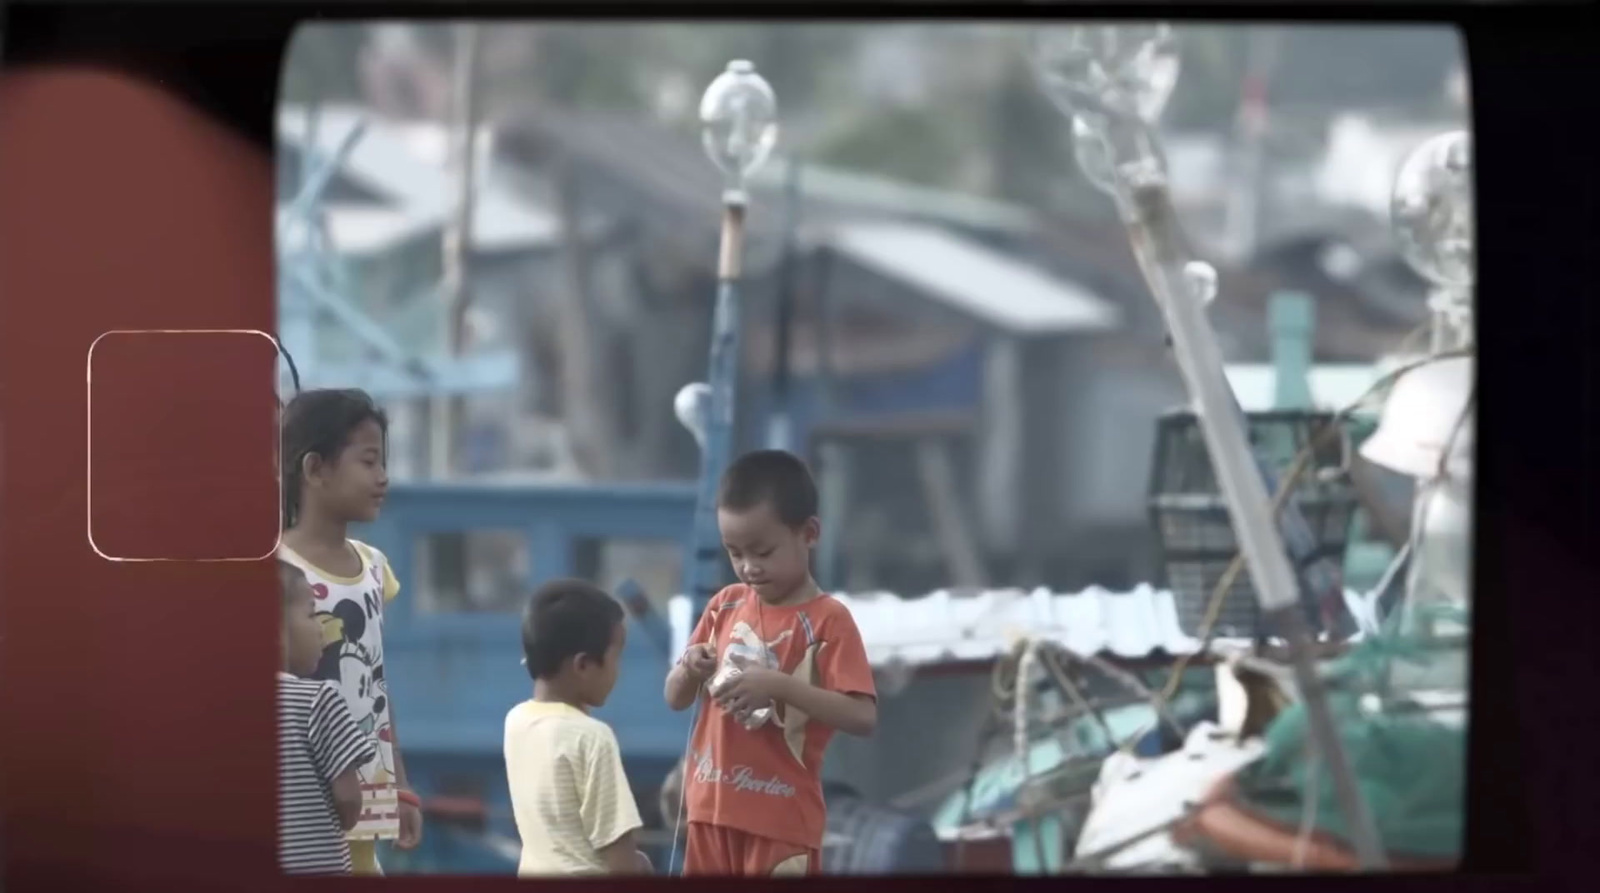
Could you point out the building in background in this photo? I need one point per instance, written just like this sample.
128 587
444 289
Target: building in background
976 380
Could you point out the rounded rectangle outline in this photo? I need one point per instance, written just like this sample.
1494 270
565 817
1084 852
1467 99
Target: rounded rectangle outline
88 471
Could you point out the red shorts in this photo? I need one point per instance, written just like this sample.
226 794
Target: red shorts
713 849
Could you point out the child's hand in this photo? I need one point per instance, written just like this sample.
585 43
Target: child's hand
700 661
410 827
753 688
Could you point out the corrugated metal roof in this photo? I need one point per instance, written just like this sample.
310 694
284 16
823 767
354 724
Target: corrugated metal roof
379 160
973 280
667 166
946 627
865 192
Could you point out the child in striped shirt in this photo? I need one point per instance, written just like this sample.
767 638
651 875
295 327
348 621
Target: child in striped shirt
320 747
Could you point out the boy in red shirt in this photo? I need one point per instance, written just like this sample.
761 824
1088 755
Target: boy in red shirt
783 667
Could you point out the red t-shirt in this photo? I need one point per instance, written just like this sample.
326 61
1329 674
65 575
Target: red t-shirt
768 781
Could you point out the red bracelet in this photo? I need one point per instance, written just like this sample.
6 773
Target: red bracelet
408 797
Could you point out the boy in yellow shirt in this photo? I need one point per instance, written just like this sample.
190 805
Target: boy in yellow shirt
574 810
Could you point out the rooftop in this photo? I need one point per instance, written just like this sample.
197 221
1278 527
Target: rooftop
947 627
973 280
399 162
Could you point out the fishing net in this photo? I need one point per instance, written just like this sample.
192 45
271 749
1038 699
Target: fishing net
1410 766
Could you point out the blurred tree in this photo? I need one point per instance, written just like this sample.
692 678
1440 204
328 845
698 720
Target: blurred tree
1029 142
982 111
914 144
587 66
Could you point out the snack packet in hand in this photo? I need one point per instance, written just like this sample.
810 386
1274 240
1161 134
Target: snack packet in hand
728 670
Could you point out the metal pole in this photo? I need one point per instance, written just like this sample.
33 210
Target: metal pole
1132 142
444 411
1156 238
309 148
1250 128
1451 328
299 278
318 177
705 570
833 470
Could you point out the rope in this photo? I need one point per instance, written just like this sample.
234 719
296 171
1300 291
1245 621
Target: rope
1308 812
683 781
1298 468
1362 671
699 707
1006 685
1443 470
1063 681
1408 344
1022 741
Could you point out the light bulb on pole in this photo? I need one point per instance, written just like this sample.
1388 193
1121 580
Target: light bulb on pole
1115 80
1129 69
1427 424
739 119
1093 156
1432 213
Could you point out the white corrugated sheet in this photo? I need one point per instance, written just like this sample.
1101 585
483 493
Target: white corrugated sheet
945 627
973 280
1332 387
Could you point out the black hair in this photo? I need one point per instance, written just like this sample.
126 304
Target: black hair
294 371
319 422
771 476
565 619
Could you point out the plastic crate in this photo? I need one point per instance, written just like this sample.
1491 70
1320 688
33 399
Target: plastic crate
1196 536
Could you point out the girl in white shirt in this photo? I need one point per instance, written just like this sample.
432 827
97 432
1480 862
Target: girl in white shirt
334 476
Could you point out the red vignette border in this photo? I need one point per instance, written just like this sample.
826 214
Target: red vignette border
137 736
136 697
136 722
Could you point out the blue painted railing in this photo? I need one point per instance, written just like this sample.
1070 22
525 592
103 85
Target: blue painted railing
455 674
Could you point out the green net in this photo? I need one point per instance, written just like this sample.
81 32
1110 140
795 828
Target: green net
1410 767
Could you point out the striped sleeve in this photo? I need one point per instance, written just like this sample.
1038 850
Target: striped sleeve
337 743
607 808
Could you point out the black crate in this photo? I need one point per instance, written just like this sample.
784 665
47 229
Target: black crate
1196 536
